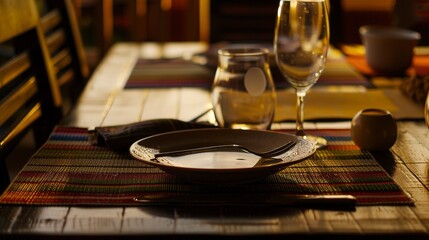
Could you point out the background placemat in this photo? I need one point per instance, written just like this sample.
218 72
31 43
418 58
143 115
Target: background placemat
67 170
337 105
337 72
166 73
169 73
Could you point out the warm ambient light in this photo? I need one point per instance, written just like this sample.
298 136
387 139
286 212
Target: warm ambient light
166 5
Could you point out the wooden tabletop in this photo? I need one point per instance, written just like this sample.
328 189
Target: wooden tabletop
105 102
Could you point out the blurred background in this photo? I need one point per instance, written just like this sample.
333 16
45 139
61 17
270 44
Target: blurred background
104 22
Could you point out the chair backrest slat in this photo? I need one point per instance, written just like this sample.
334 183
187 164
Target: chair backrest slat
66 77
56 41
61 60
17 99
25 122
14 68
51 20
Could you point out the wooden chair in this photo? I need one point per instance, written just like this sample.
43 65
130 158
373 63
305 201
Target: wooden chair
29 95
60 27
97 21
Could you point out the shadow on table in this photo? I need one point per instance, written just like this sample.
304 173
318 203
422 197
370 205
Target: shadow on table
386 160
220 215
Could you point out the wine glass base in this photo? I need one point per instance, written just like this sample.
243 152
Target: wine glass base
319 141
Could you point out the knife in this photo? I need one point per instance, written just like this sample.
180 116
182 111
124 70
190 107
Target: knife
311 201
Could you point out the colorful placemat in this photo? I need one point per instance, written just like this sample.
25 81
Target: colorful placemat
337 72
67 170
167 73
344 105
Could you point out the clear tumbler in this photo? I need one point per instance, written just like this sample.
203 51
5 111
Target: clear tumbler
243 92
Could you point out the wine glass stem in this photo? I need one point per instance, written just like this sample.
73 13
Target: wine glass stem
300 112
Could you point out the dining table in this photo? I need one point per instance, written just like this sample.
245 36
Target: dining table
72 188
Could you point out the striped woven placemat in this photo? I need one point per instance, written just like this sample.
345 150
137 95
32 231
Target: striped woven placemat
182 73
169 73
67 170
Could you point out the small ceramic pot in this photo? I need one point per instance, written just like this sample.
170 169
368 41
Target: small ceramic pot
374 129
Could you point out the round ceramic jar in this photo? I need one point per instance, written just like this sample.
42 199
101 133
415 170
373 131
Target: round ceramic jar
374 129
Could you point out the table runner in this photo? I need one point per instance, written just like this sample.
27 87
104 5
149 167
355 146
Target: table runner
67 170
182 73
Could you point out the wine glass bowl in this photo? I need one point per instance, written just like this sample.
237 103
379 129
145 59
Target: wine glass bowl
301 43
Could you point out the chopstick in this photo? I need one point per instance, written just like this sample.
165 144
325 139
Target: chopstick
345 202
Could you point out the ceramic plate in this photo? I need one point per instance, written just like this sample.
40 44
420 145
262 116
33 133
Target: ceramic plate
220 166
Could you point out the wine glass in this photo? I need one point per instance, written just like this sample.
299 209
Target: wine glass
301 42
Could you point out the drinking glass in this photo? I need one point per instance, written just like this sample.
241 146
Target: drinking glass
301 42
243 93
